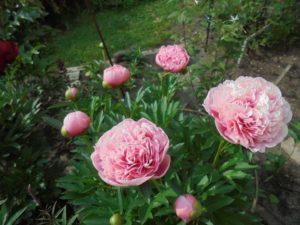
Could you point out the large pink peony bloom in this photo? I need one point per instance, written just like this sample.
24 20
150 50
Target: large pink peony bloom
172 58
250 112
131 153
115 76
187 207
75 123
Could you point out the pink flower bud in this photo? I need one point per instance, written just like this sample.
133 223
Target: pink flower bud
172 58
115 76
187 207
75 123
71 94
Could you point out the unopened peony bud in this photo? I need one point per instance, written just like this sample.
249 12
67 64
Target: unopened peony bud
71 94
106 85
116 219
187 208
115 76
63 132
75 123
88 74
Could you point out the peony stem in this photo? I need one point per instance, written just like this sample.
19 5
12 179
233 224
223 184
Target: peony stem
88 4
218 154
246 41
123 93
209 19
254 203
120 199
155 183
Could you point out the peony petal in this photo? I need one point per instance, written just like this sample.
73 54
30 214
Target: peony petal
96 161
163 167
134 182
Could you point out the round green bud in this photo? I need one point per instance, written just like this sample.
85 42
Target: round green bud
116 219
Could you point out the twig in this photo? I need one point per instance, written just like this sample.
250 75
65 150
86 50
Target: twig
88 4
283 73
254 203
184 25
246 41
34 198
208 28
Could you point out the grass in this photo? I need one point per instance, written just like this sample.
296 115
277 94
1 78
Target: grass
142 26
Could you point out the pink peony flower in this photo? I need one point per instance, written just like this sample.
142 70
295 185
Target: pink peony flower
71 94
115 76
172 58
187 207
75 123
131 153
250 112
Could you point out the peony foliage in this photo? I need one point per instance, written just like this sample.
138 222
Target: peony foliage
143 150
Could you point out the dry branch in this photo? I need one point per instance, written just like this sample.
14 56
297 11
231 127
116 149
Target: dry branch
246 41
282 75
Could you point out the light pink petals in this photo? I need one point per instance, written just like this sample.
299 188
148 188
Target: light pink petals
76 123
131 153
163 167
115 75
186 207
172 58
250 112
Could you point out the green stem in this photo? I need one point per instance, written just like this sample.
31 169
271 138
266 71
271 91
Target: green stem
254 203
218 154
120 199
119 94
255 199
156 184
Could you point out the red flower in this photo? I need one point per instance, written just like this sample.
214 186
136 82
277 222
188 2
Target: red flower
9 51
2 66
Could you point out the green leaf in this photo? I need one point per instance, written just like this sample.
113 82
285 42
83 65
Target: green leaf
16 216
245 166
234 174
52 122
273 199
218 202
2 201
203 182
220 188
